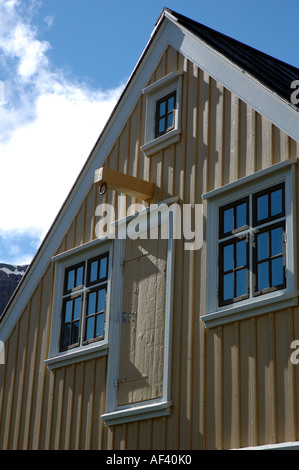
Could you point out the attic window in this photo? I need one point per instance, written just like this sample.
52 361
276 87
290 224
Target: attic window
163 113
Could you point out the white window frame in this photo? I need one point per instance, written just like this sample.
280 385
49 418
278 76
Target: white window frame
115 414
154 92
62 261
214 314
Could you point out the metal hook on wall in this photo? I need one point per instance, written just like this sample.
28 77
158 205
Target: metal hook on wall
103 189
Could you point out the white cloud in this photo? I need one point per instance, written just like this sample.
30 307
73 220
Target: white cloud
48 125
49 20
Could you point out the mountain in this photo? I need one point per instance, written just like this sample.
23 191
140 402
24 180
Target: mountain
10 277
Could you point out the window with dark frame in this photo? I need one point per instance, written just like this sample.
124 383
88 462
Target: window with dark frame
84 302
252 240
165 114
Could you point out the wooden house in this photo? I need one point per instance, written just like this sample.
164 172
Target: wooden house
161 310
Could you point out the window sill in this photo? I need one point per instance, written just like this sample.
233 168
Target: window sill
137 413
73 357
254 308
160 143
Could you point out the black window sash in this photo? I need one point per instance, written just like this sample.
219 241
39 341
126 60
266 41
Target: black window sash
168 112
233 241
71 323
75 268
98 260
267 192
81 291
97 313
233 205
269 258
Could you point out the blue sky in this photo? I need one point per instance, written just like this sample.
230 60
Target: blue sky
63 64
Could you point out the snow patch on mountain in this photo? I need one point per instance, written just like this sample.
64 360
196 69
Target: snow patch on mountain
16 270
10 277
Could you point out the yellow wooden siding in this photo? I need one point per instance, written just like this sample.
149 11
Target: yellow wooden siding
232 385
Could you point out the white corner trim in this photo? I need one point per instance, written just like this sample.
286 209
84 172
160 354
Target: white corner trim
136 413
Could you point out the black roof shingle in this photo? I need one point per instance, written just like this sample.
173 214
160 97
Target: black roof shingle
271 72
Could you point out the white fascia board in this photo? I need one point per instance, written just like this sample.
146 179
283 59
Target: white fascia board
237 81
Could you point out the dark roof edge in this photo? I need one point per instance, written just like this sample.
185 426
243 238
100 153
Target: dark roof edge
273 73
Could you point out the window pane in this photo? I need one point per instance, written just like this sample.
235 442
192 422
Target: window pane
228 257
277 272
91 303
93 271
228 286
75 332
276 202
68 311
241 248
170 103
66 336
79 280
103 267
262 207
262 246
90 328
70 279
162 108
101 300
162 125
276 241
263 276
228 220
241 215
241 284
100 325
77 308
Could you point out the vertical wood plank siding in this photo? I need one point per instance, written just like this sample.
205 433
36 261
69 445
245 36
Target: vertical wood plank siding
232 385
